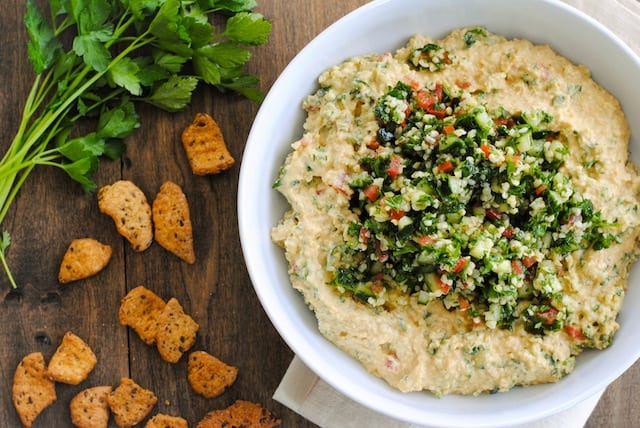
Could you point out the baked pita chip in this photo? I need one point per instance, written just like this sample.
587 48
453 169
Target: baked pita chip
72 362
165 421
89 408
140 309
172 222
130 403
205 147
32 390
127 205
208 376
176 332
84 257
240 414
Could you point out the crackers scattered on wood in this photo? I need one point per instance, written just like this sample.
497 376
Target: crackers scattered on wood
89 407
32 390
127 205
176 332
84 257
140 309
72 362
172 222
208 376
130 403
166 421
240 414
204 146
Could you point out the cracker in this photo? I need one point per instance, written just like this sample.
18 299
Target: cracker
89 407
84 257
205 147
176 332
208 376
127 205
72 362
166 421
130 403
140 309
32 390
240 414
172 222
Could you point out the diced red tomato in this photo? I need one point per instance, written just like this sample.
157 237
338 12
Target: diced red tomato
460 265
364 235
448 129
446 166
425 240
395 166
540 189
396 214
372 192
373 144
549 316
516 265
575 332
508 232
486 149
439 90
443 286
500 121
463 84
464 303
528 261
425 100
493 214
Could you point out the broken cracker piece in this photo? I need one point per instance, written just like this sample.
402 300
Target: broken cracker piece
176 332
172 222
130 403
72 362
140 309
84 257
89 407
127 205
166 421
240 414
32 390
205 147
208 376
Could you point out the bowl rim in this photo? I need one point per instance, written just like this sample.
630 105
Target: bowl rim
303 348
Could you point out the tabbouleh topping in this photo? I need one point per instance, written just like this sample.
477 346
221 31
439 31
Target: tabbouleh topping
467 206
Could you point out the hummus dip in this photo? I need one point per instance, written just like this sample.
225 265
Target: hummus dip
463 212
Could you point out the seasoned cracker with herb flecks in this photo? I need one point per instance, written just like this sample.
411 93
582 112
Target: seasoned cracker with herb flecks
166 421
208 376
204 146
84 258
130 403
140 309
172 222
127 205
176 332
89 407
32 390
240 414
72 362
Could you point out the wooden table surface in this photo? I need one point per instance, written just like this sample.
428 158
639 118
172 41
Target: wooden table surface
50 211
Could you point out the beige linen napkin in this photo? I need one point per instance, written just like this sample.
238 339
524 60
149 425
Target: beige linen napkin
303 392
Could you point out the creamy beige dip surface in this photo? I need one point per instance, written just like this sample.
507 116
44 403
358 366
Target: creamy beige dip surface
427 347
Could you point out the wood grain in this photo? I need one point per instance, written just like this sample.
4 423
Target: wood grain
216 291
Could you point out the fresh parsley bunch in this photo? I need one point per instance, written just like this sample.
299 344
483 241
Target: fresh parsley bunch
96 58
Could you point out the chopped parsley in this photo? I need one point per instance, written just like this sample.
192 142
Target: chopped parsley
466 206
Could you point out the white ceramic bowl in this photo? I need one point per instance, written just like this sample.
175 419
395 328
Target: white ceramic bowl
382 26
